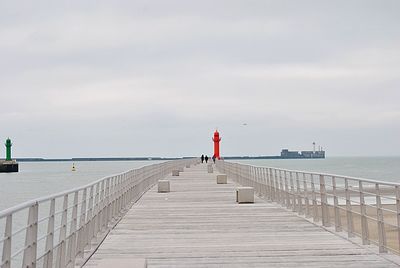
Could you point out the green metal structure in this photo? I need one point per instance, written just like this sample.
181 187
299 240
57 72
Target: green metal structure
8 149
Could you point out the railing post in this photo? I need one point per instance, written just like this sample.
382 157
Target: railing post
134 182
112 199
101 212
82 227
239 173
298 192
107 203
243 180
6 257
272 184
96 211
381 224
287 193
306 199
364 222
264 183
119 202
293 195
71 250
256 181
349 213
281 189
135 188
397 188
277 184
121 195
268 184
124 189
324 202
115 191
48 258
89 219
60 261
338 220
261 182
249 180
314 200
30 252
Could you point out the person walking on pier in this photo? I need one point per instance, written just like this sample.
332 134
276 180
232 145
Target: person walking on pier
213 158
206 158
202 158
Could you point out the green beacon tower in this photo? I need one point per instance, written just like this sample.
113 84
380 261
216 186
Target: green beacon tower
8 149
8 165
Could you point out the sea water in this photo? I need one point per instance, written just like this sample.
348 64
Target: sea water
37 179
375 168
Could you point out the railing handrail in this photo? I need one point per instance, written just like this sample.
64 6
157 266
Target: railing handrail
326 174
76 219
316 195
26 204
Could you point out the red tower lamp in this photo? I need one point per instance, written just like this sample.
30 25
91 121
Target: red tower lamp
216 139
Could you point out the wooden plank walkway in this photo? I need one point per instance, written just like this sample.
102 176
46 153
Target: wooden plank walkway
198 224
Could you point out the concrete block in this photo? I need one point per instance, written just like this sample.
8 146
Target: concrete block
175 172
187 166
245 195
180 169
222 179
121 263
163 186
210 168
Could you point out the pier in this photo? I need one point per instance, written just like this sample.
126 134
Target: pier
298 219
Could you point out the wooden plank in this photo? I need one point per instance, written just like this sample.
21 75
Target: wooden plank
199 224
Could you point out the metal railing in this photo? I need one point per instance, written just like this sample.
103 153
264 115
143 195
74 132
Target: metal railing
365 208
63 229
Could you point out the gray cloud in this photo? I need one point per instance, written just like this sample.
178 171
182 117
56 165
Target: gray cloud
132 78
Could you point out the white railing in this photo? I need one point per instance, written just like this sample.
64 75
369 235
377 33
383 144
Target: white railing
366 208
64 229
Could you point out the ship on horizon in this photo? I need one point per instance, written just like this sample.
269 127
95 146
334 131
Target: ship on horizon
286 154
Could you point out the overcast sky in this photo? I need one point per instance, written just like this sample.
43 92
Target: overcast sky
155 78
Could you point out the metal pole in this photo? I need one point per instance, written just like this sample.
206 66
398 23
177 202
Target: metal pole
6 258
48 258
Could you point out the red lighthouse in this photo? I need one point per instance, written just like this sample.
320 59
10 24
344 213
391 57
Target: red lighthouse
216 141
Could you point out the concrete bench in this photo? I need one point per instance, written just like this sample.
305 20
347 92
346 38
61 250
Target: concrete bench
245 195
210 168
121 263
163 186
222 179
187 166
175 172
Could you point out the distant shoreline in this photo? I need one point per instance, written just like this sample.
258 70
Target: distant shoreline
87 159
81 159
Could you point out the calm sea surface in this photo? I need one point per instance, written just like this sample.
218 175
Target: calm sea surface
43 178
37 179
376 168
